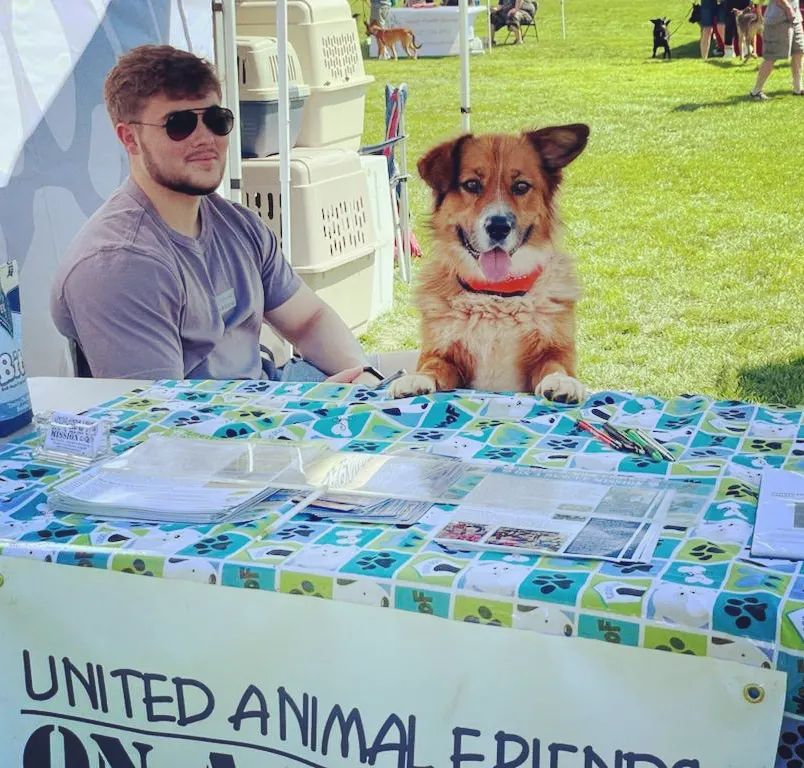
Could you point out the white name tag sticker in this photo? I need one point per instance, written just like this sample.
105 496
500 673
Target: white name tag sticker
76 435
226 301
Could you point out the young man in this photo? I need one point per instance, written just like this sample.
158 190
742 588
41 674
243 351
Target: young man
783 38
168 279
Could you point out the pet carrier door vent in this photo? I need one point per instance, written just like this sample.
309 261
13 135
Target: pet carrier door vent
340 57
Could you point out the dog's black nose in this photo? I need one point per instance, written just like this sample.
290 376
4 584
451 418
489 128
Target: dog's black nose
498 227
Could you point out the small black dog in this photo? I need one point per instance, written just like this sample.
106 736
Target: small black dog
661 37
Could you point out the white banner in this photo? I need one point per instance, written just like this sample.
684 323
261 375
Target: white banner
105 669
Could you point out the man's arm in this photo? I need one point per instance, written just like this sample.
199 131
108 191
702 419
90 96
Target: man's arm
317 331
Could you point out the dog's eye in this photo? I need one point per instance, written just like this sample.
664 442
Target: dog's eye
521 188
472 186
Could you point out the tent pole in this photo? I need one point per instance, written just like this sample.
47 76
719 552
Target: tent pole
465 105
231 97
284 127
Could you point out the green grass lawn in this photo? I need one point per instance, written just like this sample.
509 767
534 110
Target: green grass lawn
684 211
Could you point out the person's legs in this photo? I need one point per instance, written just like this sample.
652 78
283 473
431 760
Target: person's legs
795 68
762 75
707 22
706 42
797 51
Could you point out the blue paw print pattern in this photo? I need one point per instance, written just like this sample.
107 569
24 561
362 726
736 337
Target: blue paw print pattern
301 531
56 533
609 629
791 744
426 436
792 665
194 396
235 429
553 586
632 569
508 454
748 615
383 564
85 559
367 446
427 601
218 546
248 576
697 574
131 429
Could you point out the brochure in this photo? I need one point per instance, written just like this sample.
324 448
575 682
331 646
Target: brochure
779 526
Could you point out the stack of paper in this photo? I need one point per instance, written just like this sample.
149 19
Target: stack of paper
179 480
367 509
565 513
779 526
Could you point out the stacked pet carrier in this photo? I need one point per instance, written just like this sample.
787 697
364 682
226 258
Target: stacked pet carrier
332 229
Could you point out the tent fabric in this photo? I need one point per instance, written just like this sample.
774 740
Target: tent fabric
62 159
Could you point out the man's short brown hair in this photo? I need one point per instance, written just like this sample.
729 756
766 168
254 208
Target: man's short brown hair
149 70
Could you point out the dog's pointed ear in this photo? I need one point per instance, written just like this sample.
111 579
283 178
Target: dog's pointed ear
440 167
559 145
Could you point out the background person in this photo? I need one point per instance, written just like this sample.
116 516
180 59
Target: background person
783 38
713 12
168 279
512 14
379 12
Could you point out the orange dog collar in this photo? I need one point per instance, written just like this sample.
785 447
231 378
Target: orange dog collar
513 285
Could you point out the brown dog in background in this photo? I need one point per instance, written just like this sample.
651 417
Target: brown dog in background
497 297
387 40
750 23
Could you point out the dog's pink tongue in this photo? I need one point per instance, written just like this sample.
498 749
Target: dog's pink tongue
496 264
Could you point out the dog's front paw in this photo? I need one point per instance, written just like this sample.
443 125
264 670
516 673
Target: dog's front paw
561 388
412 384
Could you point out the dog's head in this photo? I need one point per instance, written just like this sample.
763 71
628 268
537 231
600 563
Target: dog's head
494 198
660 27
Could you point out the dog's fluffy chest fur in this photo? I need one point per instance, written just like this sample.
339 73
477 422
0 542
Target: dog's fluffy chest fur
492 331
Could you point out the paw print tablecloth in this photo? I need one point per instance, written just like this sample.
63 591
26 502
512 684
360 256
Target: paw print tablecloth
702 593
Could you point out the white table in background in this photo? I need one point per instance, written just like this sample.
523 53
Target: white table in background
437 30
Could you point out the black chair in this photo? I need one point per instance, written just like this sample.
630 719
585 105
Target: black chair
81 367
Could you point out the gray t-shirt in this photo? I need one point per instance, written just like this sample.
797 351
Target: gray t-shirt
147 302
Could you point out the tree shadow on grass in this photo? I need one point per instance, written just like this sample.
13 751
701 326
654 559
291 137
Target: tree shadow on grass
773 383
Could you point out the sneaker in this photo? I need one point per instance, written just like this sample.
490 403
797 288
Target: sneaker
798 93
728 52
718 52
761 96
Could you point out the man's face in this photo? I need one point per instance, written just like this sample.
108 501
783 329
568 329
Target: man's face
192 166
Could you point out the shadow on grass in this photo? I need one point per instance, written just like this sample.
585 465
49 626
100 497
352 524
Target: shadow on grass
740 98
773 383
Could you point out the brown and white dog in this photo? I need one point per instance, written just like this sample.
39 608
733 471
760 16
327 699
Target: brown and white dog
497 297
387 40
750 23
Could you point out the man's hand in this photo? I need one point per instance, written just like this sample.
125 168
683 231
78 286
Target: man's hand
354 376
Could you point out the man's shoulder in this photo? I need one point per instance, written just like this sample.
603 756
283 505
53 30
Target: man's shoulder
240 219
122 222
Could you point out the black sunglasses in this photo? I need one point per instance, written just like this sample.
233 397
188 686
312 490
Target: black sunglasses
179 125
